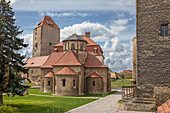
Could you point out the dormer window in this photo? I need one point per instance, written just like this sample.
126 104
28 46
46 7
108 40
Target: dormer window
32 63
95 50
164 30
55 50
72 46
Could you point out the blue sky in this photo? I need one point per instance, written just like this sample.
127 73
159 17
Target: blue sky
111 23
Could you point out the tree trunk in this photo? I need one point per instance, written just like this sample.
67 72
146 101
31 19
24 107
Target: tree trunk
1 100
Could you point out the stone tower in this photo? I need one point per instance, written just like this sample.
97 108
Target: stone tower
46 35
153 46
76 44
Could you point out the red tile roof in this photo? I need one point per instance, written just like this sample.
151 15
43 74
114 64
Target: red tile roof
47 21
69 58
127 71
89 41
164 108
53 58
50 74
66 71
92 61
59 44
36 61
94 75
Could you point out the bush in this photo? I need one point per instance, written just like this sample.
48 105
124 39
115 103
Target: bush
8 109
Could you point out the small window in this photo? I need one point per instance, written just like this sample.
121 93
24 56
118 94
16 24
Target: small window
50 43
35 33
35 37
36 45
49 83
93 83
55 51
65 46
95 51
32 71
81 47
164 30
35 29
74 82
64 83
72 46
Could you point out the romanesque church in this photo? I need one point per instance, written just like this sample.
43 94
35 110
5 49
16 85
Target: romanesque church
74 66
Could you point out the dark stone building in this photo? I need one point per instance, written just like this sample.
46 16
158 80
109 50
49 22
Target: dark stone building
153 46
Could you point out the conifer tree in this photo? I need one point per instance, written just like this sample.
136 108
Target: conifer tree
11 60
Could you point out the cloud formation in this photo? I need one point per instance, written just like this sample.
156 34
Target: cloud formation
12 1
65 14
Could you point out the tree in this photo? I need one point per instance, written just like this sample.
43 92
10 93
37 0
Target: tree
11 60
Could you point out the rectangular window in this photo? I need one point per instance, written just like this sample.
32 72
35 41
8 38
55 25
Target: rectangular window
93 83
32 71
64 83
50 43
74 82
81 47
95 51
36 45
164 30
49 83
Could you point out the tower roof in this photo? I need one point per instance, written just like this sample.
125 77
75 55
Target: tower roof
66 71
69 58
74 37
47 21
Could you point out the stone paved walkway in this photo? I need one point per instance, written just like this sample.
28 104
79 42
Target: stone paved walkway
103 105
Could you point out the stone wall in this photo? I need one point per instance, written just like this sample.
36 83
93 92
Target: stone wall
153 58
48 84
102 72
34 74
134 59
161 94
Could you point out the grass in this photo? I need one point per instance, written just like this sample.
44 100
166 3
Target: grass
37 91
97 95
38 104
120 83
31 84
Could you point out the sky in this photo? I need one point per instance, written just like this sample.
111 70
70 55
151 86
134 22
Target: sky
112 24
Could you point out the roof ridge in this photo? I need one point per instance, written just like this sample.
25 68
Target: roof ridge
75 56
47 59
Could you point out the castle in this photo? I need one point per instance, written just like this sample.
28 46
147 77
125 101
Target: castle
71 67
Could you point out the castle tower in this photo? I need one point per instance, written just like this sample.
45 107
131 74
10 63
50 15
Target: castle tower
153 46
76 44
46 35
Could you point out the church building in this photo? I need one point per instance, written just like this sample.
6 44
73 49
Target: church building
74 66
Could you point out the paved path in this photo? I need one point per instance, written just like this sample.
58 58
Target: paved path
103 105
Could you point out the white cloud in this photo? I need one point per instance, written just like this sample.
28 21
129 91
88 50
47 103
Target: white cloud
65 14
28 39
12 1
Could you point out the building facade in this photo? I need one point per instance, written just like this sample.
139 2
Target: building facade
153 46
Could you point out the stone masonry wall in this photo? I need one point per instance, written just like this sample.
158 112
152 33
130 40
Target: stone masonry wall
153 58
134 59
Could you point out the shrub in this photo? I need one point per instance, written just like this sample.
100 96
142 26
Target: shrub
8 109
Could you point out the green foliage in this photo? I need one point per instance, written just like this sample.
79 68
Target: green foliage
40 104
11 60
8 109
120 101
120 83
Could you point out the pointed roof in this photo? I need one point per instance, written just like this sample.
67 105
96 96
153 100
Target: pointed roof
66 71
92 61
47 21
74 37
36 61
50 74
52 59
94 75
69 58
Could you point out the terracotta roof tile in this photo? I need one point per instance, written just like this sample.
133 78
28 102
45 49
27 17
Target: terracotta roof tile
36 61
47 21
164 108
53 58
69 58
50 74
92 61
94 75
59 44
66 71
89 41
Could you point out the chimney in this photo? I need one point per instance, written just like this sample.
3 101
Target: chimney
87 34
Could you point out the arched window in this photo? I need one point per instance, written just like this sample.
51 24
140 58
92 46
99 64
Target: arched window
74 82
93 83
95 51
49 83
64 82
81 47
72 46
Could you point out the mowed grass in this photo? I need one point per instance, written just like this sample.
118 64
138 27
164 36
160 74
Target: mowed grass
120 83
31 84
43 104
37 91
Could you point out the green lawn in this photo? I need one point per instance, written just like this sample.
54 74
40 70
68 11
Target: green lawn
38 104
120 83
37 91
31 84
